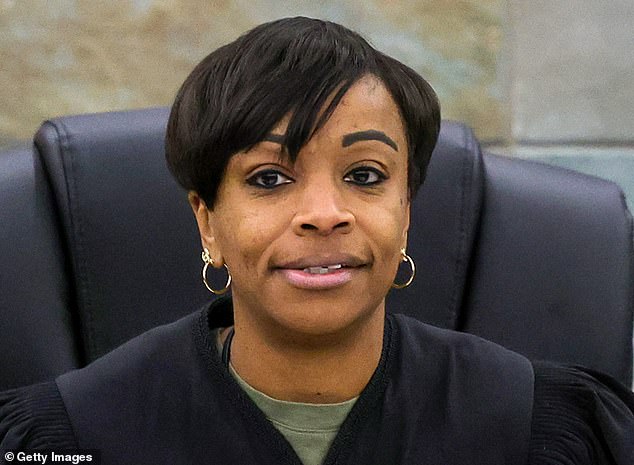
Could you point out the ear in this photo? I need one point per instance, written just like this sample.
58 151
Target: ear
407 222
205 227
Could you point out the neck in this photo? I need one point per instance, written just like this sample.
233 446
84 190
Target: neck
326 369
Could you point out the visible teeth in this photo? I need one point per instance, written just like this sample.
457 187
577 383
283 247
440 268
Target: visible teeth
316 270
322 269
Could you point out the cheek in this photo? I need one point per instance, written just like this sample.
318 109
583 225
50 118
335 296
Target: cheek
386 228
245 237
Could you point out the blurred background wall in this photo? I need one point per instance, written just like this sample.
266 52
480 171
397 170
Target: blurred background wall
550 80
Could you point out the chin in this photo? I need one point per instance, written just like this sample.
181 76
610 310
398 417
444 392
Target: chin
321 319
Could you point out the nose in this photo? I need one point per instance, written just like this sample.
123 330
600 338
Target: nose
322 210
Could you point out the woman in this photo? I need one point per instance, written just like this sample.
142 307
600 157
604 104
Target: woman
301 148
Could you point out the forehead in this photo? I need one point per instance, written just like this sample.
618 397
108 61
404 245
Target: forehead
367 105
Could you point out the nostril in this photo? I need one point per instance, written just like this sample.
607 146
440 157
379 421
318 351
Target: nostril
316 227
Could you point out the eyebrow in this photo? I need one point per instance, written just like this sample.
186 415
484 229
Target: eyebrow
347 140
370 134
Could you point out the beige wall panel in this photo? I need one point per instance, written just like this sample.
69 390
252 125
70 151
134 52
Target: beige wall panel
573 71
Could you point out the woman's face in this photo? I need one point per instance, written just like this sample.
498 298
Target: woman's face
313 246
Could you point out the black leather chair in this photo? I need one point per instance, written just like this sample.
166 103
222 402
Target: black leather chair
36 321
99 244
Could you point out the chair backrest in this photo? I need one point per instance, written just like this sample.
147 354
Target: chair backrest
130 233
534 257
36 320
553 269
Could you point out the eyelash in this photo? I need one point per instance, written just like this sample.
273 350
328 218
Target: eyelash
254 180
380 177
281 179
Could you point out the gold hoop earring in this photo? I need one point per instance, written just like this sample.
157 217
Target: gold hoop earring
408 259
207 260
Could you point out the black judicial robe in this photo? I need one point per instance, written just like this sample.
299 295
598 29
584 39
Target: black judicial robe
437 397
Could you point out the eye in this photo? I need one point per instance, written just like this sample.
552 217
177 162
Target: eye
268 179
365 176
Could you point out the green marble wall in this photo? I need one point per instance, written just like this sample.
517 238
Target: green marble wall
72 56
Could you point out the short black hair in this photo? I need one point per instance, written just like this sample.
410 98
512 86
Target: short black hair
237 94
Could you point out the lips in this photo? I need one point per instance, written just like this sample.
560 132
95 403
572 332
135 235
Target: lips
320 272
333 260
